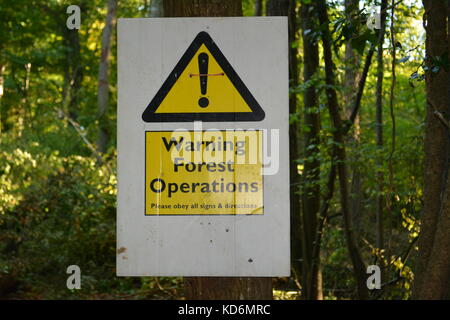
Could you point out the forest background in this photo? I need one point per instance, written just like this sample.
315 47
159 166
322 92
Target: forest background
369 146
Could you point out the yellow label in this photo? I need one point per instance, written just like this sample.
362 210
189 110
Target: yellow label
203 172
221 94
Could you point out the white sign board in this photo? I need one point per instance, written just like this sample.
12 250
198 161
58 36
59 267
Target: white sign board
203 157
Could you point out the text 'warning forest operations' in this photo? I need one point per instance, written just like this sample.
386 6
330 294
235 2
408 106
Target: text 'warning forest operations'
203 172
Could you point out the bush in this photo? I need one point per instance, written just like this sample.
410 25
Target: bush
54 212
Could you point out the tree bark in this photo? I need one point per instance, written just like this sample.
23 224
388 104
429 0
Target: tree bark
227 288
352 77
433 265
391 160
258 8
103 83
294 153
278 7
340 152
311 171
217 288
2 70
288 8
202 8
379 128
74 71
352 61
323 216
156 9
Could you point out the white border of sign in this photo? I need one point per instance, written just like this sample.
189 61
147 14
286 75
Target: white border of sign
241 245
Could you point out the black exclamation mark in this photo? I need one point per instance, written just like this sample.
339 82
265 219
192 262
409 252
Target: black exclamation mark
203 68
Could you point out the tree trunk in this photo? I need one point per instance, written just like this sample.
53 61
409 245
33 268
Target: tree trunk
352 78
379 128
258 8
278 7
202 8
311 171
103 83
391 160
74 72
287 8
433 265
156 9
339 151
2 70
352 61
217 288
227 288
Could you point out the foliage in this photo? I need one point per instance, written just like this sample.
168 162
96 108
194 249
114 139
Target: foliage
56 211
58 200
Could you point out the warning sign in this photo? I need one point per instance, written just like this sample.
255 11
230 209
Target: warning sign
203 147
203 172
203 86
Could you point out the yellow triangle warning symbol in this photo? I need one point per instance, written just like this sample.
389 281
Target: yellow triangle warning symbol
203 86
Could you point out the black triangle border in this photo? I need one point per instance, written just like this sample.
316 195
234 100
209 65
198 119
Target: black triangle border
203 37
